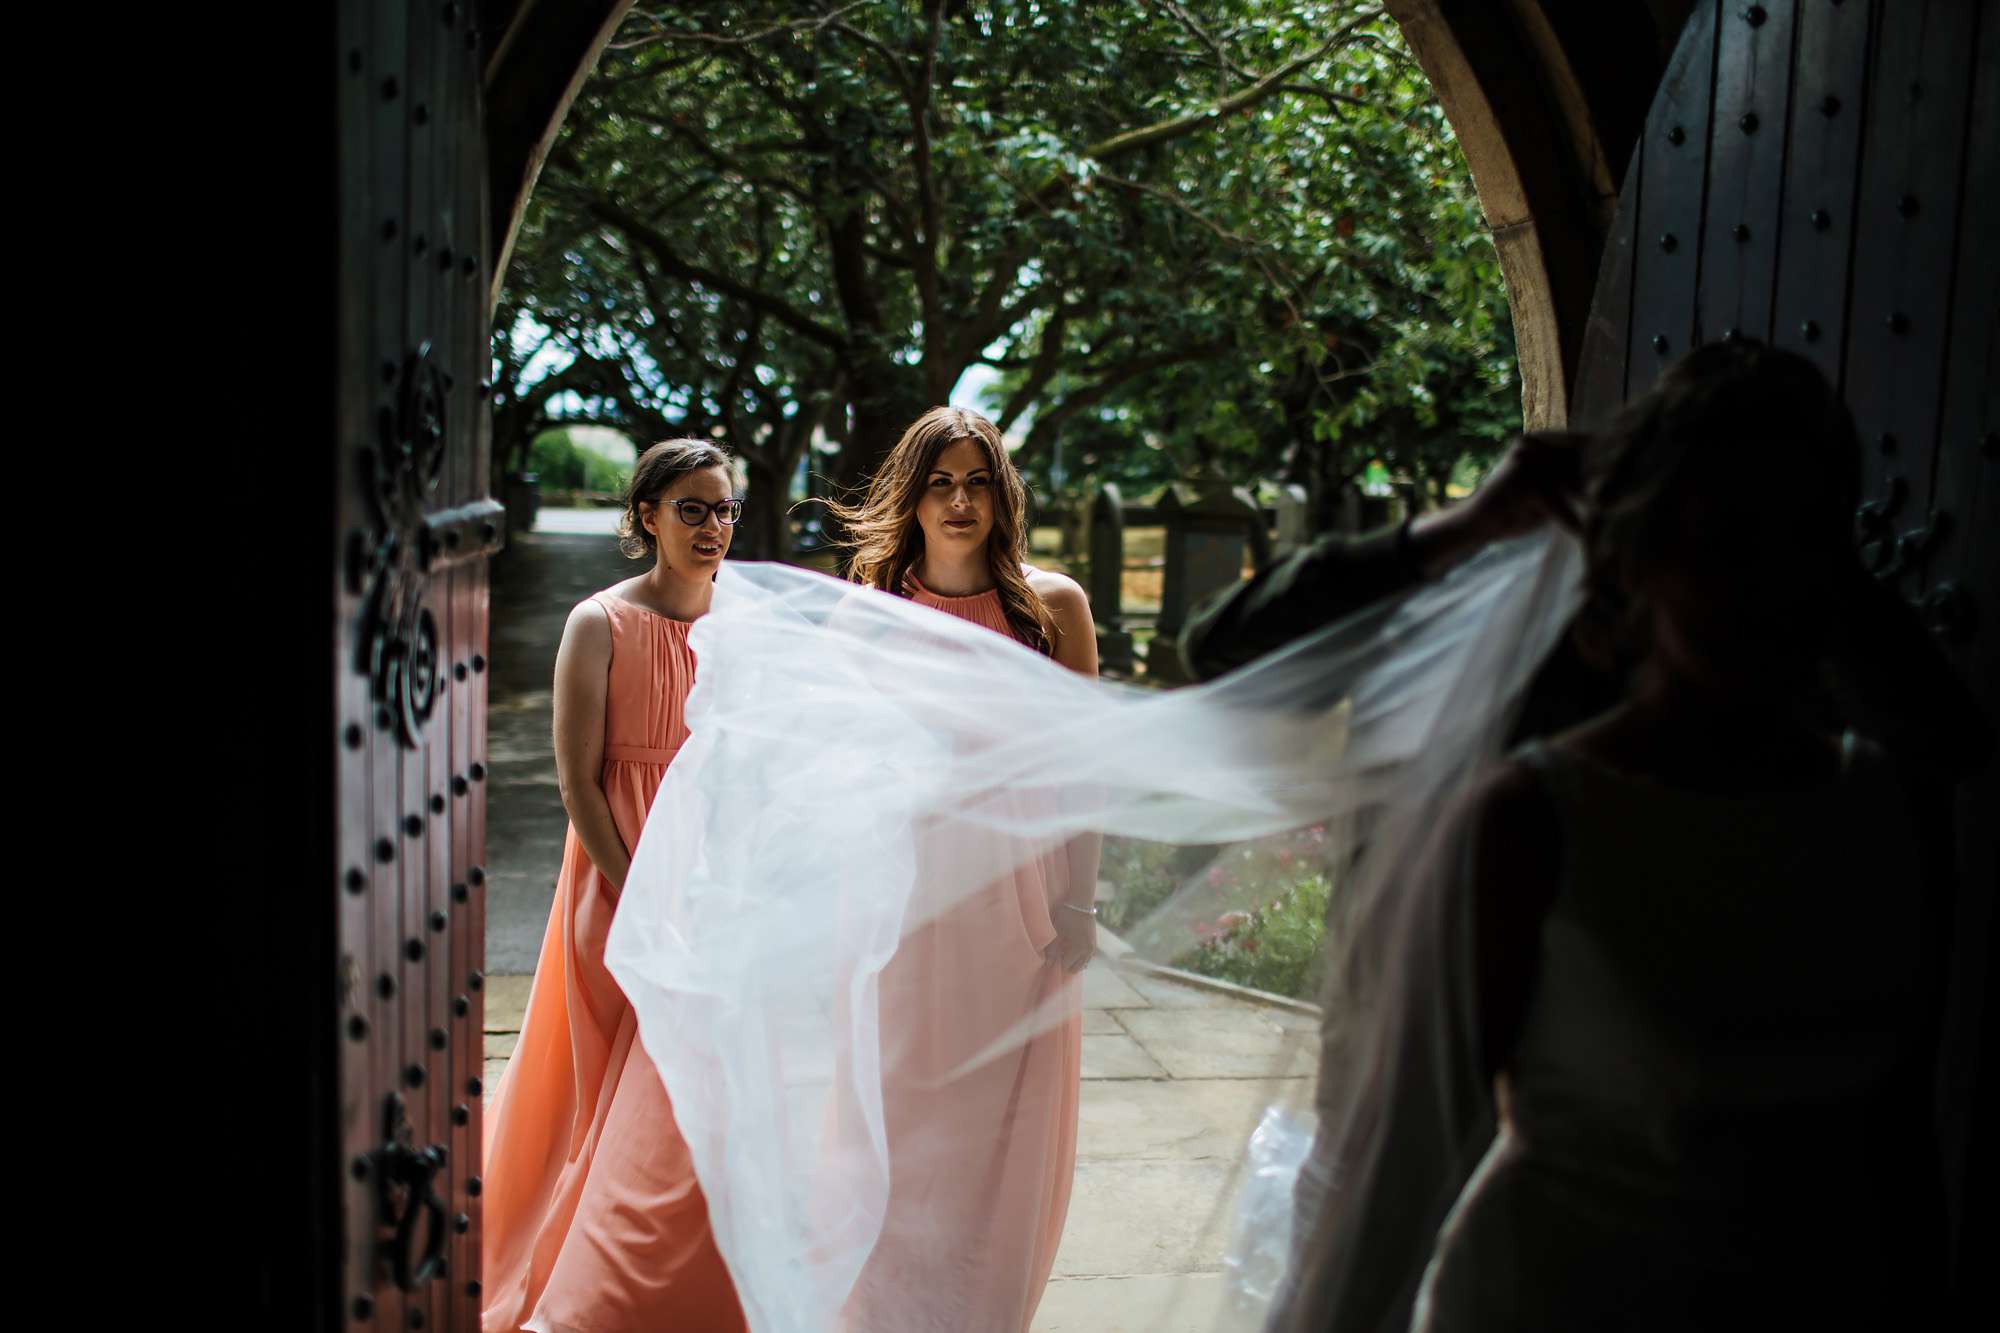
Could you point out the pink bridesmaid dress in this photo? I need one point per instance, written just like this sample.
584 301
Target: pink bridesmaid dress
982 1146
593 1220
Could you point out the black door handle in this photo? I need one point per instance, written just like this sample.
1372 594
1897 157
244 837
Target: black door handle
406 1188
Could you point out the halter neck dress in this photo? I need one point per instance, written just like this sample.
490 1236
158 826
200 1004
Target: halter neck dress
1716 1115
980 1157
593 1221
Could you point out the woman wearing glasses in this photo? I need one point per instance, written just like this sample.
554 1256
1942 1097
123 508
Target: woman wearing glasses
593 1218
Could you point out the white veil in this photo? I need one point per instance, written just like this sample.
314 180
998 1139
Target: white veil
862 767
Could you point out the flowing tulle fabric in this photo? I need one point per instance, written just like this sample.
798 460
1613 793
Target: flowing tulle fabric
980 1156
862 768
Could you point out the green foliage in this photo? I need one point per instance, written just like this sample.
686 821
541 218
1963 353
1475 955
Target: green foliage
562 465
1276 947
1265 906
1234 233
1142 875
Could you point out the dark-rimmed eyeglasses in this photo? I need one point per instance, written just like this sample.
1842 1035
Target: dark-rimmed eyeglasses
694 513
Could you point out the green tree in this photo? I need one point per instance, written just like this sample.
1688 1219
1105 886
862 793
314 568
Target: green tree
1226 233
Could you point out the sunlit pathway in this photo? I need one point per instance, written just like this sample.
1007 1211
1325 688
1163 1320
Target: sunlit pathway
1175 1077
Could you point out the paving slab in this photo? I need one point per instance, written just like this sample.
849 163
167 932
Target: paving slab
1172 1303
1235 1105
506 1002
500 1045
1155 1216
1233 1040
1181 1119
1112 1057
1100 1023
1106 988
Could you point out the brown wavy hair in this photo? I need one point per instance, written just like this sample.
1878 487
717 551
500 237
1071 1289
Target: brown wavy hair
887 541
653 475
1757 445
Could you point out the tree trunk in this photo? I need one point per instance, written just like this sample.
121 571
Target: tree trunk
765 531
886 400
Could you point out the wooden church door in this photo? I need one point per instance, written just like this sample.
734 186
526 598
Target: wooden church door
1818 174
415 524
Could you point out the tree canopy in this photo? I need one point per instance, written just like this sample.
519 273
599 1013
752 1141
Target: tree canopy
1235 234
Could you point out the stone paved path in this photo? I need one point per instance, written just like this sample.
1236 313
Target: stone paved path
1175 1075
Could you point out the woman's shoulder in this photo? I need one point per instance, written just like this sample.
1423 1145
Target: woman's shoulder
1060 591
617 602
596 617
586 636
1511 797
592 610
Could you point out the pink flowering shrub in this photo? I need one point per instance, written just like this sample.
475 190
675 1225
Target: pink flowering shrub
1263 904
1278 948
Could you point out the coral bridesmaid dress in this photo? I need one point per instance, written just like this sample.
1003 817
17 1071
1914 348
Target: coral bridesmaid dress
981 1057
593 1220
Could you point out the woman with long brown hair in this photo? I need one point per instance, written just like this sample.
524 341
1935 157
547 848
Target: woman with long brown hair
981 1145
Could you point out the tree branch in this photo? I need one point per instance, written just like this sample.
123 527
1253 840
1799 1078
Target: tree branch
656 245
1130 141
1288 288
990 318
893 60
1113 378
723 162
1335 99
1048 359
662 34
1224 66
927 203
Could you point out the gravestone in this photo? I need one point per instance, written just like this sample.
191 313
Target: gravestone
1294 520
1211 526
1107 572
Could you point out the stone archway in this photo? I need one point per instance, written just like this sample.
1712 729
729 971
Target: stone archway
1547 97
1547 100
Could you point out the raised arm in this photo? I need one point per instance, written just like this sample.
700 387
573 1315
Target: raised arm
1534 481
583 668
1316 586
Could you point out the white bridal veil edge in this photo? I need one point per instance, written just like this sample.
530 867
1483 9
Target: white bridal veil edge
860 764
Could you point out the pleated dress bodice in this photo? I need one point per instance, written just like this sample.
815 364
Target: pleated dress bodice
981 608
645 706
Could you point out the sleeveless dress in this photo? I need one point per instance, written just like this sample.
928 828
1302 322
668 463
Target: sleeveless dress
982 1147
593 1220
1714 1117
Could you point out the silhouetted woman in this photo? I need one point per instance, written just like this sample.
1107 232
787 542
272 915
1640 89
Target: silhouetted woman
1686 951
